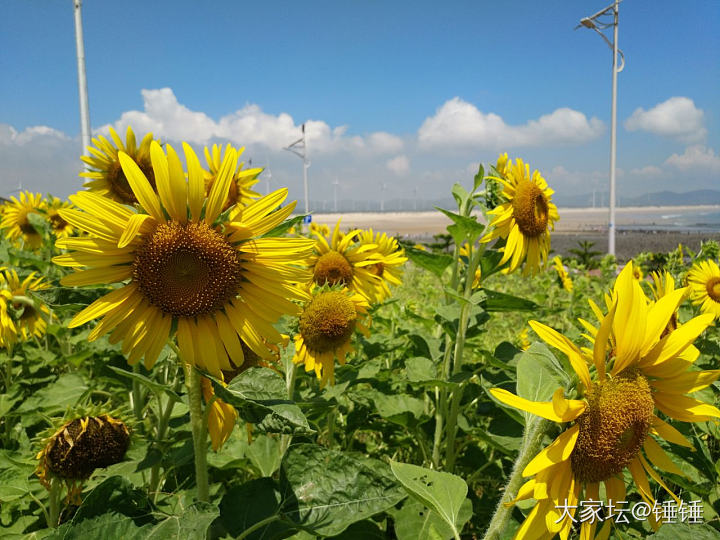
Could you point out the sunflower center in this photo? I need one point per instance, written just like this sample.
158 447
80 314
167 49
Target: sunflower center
713 288
27 228
57 223
187 270
613 428
530 209
327 323
119 185
377 269
332 268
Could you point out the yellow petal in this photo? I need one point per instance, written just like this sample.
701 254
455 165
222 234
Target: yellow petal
558 451
557 340
102 305
658 456
142 189
138 223
196 183
221 186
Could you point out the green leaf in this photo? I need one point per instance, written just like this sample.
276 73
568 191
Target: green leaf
685 531
479 177
327 490
440 491
285 226
260 396
539 374
497 301
465 228
489 262
414 520
145 381
111 526
460 195
420 369
55 397
6 403
118 494
432 262
245 505
398 408
192 524
264 452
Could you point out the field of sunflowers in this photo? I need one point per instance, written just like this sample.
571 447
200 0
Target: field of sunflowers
181 357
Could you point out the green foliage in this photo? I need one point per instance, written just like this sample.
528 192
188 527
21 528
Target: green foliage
585 255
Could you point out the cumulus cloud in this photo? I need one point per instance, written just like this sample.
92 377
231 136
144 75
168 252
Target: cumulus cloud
399 165
647 171
167 118
44 134
678 117
462 124
697 157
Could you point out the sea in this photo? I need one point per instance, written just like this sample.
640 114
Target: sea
690 220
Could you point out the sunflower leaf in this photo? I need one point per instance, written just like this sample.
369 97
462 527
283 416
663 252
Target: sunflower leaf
433 262
260 397
442 492
539 374
285 226
497 301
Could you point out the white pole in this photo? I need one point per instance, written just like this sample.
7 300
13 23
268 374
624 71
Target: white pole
306 165
613 136
82 79
335 185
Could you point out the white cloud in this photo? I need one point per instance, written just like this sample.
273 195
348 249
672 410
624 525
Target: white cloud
459 123
696 157
647 171
9 135
167 118
678 117
399 165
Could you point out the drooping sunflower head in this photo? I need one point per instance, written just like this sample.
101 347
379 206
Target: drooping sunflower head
524 219
80 446
704 282
239 191
23 316
59 227
563 276
326 327
107 176
187 268
16 222
344 260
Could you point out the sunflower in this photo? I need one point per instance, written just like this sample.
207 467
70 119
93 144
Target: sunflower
563 276
704 282
108 176
320 229
210 281
342 261
524 218
22 317
389 269
663 284
60 227
15 219
327 325
239 191
614 422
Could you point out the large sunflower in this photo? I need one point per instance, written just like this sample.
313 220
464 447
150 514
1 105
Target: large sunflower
389 268
704 282
344 261
15 219
108 176
22 316
239 191
327 325
184 271
646 370
525 217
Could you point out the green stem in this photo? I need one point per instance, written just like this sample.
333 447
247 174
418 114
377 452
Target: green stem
290 377
162 427
55 492
137 398
331 418
198 423
259 525
532 441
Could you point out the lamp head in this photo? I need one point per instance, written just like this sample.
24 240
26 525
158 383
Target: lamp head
587 22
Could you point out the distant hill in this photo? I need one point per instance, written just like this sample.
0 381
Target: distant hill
660 198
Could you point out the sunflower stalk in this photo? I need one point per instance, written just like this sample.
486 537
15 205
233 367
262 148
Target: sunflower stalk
53 515
535 430
198 422
456 396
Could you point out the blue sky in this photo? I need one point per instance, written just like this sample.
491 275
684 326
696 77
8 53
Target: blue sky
409 94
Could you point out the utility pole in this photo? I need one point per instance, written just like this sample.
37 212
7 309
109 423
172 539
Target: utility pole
335 188
82 79
300 149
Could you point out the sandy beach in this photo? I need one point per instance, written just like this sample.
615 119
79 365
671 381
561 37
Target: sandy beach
575 225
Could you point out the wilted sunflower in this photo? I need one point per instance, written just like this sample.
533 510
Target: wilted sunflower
239 191
563 276
342 261
108 177
15 219
59 227
525 217
213 283
704 282
327 325
645 370
22 316
79 447
389 268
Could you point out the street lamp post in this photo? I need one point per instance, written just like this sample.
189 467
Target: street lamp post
300 149
595 22
82 79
